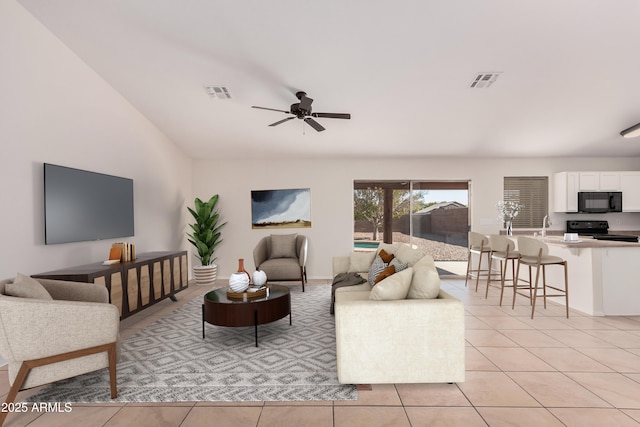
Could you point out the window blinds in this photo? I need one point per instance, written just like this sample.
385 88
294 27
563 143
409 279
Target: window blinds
533 193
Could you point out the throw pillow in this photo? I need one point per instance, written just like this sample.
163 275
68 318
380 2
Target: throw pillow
386 257
425 283
376 268
394 287
398 265
385 273
26 287
359 262
283 246
409 255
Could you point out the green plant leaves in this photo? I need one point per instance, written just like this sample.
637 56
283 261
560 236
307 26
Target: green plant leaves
206 230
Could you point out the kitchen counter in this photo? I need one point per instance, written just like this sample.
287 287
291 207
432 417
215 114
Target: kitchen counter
603 275
588 242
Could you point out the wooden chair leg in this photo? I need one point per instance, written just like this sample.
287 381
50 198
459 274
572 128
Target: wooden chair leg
112 371
15 388
468 269
27 365
566 287
515 286
478 270
486 292
535 291
302 277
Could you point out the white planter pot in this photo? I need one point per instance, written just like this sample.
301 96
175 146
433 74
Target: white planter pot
205 275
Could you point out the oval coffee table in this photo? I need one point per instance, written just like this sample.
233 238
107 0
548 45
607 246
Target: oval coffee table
220 310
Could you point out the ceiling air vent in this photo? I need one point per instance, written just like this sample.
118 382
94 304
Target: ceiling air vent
484 80
217 92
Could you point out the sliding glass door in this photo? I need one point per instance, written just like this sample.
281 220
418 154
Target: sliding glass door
431 215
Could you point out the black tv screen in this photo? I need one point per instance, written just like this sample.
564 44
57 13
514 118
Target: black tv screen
81 205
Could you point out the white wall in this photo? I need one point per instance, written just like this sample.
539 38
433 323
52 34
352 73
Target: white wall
331 183
55 109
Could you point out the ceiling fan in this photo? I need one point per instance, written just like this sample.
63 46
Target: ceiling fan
302 110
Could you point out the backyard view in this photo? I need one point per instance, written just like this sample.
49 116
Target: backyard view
433 220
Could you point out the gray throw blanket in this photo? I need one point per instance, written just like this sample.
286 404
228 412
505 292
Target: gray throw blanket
342 280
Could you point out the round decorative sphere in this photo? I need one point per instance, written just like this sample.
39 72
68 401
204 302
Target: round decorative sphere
259 278
238 282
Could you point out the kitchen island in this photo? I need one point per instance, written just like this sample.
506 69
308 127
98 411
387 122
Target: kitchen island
604 275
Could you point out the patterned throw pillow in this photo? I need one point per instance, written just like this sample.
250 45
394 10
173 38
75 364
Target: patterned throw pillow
376 268
398 265
384 274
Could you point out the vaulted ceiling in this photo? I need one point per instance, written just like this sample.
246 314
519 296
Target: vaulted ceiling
568 73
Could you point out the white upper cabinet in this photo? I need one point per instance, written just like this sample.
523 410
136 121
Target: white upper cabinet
599 181
589 181
565 192
630 186
610 181
566 186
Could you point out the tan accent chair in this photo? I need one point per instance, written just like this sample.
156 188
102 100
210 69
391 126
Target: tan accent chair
535 253
45 341
503 249
478 245
279 262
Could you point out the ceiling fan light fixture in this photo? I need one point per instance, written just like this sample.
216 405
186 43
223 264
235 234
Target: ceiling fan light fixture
631 132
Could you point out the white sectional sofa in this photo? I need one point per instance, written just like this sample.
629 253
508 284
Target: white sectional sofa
384 337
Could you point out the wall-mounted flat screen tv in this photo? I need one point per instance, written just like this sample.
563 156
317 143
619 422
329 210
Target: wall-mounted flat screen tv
81 205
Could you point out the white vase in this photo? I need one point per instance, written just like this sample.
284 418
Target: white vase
205 275
238 282
259 278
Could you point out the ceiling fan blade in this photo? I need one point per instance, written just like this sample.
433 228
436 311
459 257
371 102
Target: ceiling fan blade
305 103
317 126
271 109
281 121
332 115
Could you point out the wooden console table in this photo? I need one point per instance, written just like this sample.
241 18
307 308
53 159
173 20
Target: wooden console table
133 285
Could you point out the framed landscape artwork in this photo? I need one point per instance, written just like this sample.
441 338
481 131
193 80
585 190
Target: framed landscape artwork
281 208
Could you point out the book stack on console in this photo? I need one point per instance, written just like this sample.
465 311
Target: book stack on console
127 251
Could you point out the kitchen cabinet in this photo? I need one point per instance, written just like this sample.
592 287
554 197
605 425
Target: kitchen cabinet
630 186
565 194
599 181
589 181
609 181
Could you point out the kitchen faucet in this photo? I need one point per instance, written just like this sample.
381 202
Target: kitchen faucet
545 222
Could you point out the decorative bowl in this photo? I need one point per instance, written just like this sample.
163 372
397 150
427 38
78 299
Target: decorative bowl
239 282
259 278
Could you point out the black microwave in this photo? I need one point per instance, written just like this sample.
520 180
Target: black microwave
599 202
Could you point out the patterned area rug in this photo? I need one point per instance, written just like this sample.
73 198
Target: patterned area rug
170 362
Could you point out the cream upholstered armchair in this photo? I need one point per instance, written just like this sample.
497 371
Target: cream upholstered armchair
51 330
282 257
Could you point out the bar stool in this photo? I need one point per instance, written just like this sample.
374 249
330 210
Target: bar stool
503 250
479 245
535 253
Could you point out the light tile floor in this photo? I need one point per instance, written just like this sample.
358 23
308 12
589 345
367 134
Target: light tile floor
546 371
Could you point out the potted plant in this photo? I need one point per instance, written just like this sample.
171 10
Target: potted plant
205 237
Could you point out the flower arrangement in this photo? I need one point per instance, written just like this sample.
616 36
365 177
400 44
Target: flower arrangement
508 210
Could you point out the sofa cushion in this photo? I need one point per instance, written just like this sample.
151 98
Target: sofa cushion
426 260
26 287
376 268
425 283
385 273
394 287
360 262
390 248
283 246
409 255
